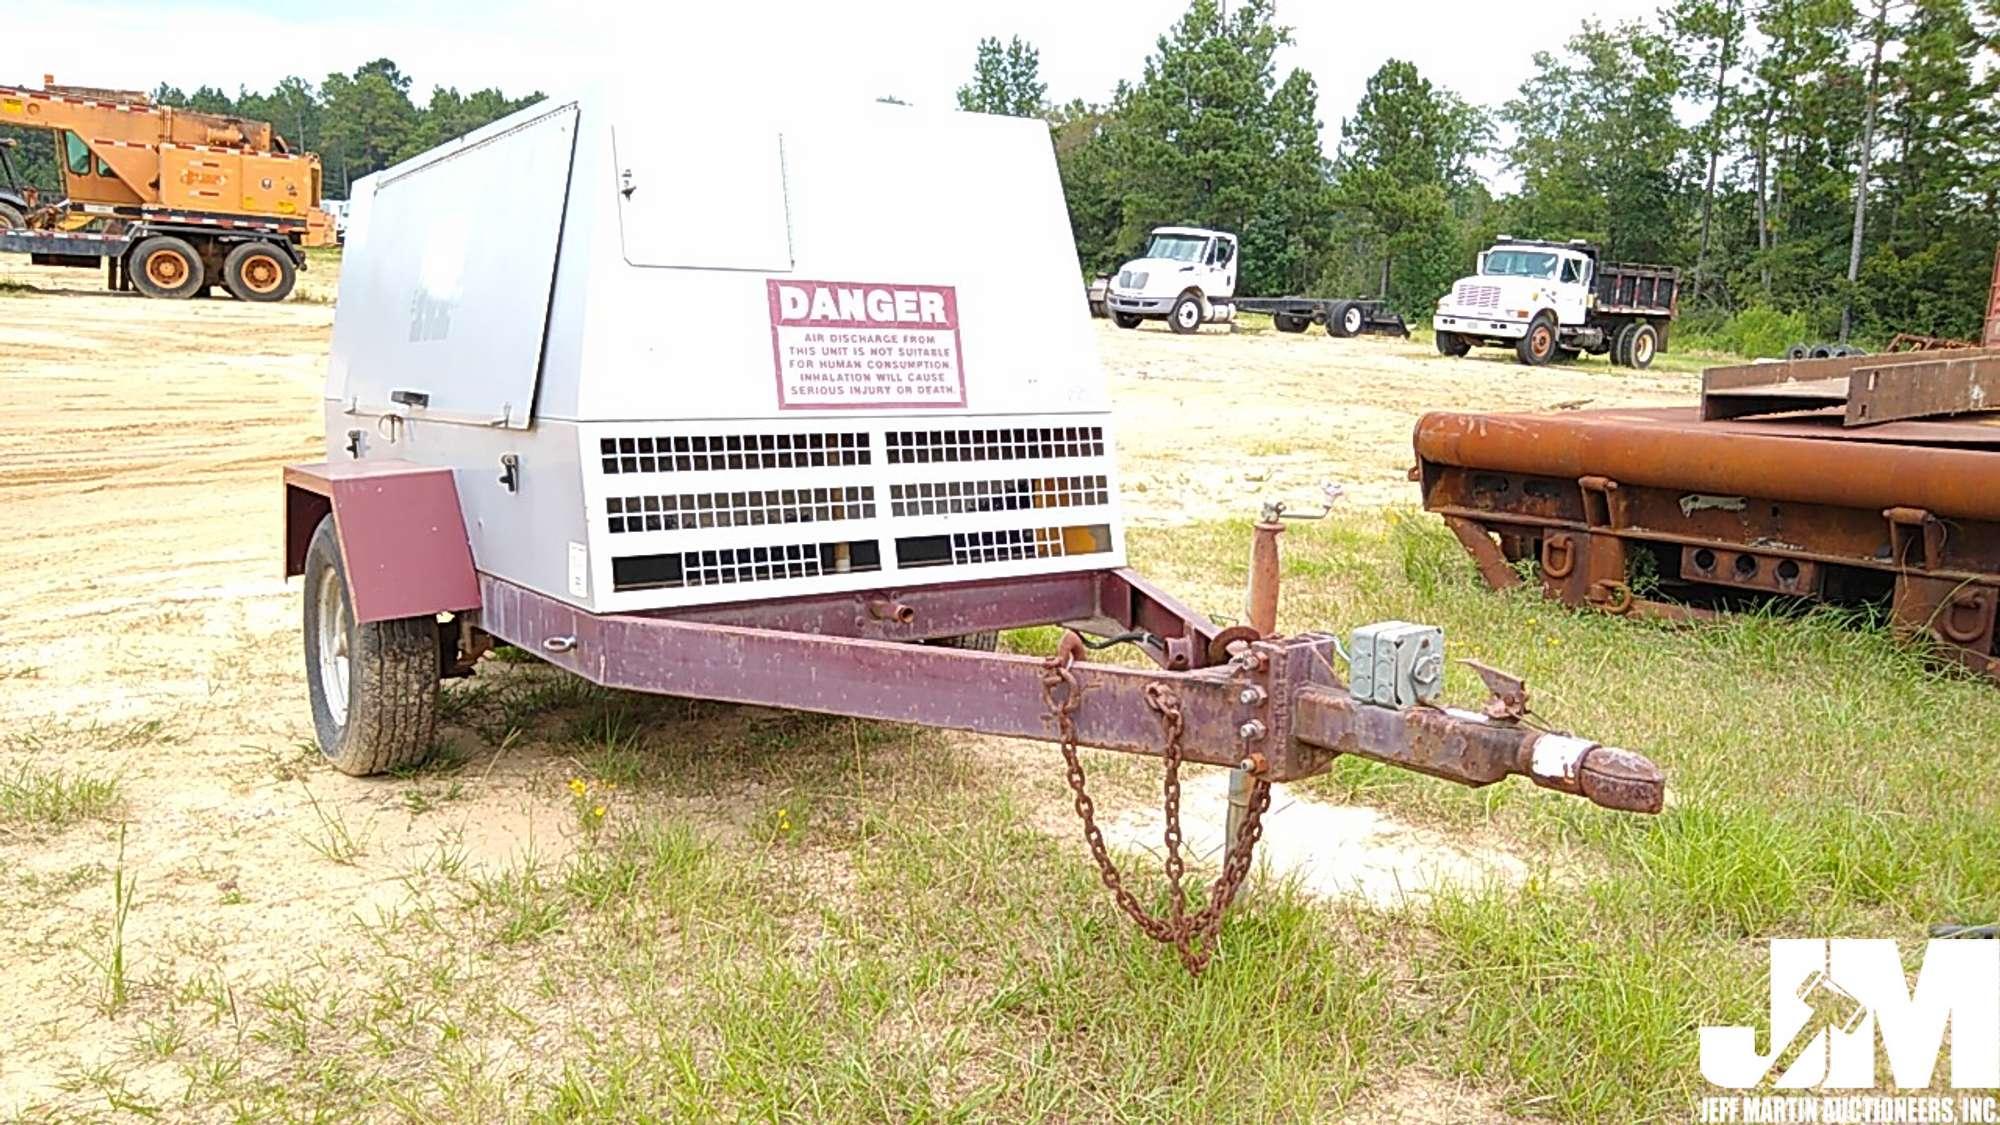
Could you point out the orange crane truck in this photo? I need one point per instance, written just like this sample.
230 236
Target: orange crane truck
172 202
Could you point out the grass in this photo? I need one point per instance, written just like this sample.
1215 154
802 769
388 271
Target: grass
786 916
51 799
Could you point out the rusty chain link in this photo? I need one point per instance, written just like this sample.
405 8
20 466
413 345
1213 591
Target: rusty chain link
1192 935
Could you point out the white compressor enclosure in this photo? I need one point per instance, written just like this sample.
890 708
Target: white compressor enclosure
681 359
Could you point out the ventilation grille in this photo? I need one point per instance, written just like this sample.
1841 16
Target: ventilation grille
1006 546
1478 296
728 566
922 447
701 453
690 511
951 498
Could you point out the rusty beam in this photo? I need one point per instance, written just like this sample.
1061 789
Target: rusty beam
1694 458
1966 383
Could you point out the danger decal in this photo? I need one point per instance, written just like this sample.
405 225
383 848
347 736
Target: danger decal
865 344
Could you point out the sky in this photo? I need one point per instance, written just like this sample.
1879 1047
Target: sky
918 51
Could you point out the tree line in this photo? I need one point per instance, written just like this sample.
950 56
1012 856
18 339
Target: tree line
1816 168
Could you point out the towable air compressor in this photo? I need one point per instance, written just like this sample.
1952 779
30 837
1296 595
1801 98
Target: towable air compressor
753 434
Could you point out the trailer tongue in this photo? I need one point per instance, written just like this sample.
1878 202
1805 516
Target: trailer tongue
703 459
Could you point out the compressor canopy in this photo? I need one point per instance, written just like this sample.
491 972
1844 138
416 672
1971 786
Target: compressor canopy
676 362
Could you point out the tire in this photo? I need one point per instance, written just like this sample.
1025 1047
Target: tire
1286 322
1822 351
1126 320
1347 320
166 268
1186 317
1621 345
374 687
259 271
1797 351
1538 347
1453 344
987 641
1644 345
11 219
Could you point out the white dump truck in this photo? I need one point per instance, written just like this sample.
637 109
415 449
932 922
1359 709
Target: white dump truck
1557 300
1187 277
746 410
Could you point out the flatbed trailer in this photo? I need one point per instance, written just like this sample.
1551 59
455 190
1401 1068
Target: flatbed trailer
1660 513
1340 316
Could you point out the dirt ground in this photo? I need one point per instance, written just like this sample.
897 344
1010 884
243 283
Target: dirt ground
146 630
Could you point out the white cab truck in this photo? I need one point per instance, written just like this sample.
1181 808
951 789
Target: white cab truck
1558 300
1187 277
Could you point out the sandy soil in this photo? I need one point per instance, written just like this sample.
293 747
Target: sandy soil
146 629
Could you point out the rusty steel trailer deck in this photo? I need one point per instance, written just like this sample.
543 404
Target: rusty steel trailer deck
1600 505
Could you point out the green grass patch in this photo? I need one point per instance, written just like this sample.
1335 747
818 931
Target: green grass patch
39 797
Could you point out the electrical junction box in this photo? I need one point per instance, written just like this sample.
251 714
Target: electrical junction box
679 360
1396 664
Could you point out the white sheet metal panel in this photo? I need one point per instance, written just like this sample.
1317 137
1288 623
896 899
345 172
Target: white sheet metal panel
446 286
819 241
701 193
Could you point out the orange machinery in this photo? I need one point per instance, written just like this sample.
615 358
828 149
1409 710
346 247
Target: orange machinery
175 201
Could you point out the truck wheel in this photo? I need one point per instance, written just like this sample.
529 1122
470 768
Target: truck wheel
259 271
1453 344
1621 345
11 219
1186 316
373 687
1644 346
1539 345
1126 320
167 267
1286 322
1348 320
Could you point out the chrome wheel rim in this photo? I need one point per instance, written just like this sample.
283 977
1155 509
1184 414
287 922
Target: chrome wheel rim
333 630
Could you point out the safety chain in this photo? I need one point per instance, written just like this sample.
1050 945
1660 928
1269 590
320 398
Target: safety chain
1192 935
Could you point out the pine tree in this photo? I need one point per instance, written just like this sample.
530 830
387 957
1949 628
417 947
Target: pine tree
1405 157
1005 80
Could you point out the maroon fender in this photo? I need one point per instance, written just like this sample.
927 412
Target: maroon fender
402 536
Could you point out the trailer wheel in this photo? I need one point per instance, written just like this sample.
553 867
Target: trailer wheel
1286 322
1126 320
1186 316
1453 344
11 219
1539 345
1644 346
1350 319
167 267
374 687
259 271
1621 345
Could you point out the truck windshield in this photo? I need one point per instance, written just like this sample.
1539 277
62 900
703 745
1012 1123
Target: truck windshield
1176 247
1520 263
